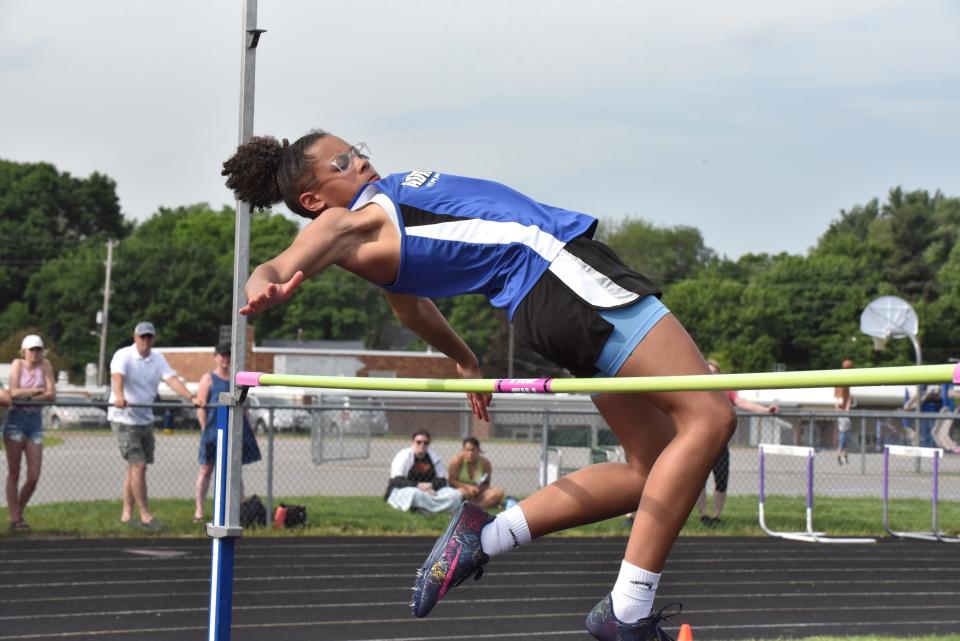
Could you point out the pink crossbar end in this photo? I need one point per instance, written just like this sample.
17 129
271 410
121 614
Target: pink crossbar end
956 374
248 379
519 385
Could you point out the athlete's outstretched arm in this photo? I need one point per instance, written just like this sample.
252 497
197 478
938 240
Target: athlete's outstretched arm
320 244
426 321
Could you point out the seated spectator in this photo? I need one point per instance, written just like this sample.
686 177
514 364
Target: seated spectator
470 473
418 480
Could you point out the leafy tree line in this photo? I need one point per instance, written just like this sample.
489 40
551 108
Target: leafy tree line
751 313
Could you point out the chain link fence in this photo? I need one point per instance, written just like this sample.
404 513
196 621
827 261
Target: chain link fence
343 446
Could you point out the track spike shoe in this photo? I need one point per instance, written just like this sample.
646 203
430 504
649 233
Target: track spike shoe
455 556
605 626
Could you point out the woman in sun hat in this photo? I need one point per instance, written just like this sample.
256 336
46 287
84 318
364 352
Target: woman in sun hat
31 379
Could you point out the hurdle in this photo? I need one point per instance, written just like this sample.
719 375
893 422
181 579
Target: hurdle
934 454
808 535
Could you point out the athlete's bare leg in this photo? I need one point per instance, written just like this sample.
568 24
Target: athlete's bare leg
671 440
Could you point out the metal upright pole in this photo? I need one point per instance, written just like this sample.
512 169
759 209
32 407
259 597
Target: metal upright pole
105 321
918 423
225 529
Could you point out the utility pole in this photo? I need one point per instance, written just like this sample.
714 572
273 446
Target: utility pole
105 315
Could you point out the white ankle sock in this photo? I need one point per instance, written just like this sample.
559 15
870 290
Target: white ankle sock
509 530
632 594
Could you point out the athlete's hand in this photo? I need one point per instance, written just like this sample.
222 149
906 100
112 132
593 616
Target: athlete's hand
478 402
272 295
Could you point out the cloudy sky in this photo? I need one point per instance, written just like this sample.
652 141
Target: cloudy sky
754 121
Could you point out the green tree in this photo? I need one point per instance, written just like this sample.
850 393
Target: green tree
63 298
48 213
665 255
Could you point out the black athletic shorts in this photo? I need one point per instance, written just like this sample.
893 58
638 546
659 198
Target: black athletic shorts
559 316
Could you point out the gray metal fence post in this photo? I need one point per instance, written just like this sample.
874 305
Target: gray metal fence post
270 467
863 446
545 440
465 420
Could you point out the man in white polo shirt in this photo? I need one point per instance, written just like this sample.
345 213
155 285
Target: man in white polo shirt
135 373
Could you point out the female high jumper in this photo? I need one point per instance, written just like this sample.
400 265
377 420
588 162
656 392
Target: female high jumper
424 234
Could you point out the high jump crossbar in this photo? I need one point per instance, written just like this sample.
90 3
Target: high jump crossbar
909 375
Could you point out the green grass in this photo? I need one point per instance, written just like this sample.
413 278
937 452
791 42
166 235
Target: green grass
371 516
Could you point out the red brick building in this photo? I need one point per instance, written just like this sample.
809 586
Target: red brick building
291 357
344 358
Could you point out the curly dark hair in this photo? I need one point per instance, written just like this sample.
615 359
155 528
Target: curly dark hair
263 171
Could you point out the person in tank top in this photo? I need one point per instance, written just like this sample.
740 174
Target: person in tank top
211 385
31 379
420 234
471 473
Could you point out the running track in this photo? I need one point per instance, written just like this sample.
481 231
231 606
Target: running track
357 589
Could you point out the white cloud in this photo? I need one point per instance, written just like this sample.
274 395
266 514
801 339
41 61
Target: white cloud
700 113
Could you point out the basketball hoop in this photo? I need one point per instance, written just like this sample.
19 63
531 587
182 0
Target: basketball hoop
889 317
892 317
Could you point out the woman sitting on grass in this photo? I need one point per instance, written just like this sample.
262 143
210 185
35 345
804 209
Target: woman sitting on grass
470 473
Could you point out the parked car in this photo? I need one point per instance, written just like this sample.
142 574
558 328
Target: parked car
76 413
344 413
286 416
175 415
358 415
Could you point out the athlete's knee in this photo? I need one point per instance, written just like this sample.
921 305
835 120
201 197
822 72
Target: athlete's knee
713 422
718 416
726 421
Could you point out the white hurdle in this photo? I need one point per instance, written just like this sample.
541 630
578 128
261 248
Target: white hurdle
935 454
808 535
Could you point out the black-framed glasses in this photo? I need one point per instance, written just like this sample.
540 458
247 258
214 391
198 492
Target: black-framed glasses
342 162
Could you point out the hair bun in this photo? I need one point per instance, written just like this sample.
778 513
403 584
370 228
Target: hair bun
252 171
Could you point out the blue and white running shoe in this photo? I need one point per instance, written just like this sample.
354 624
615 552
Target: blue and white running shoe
605 626
455 556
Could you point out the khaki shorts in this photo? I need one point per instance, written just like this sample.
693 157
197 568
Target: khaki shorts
136 442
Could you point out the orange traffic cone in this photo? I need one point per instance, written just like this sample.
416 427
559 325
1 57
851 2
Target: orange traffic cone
686 633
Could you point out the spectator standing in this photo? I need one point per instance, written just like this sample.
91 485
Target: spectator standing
842 402
943 427
418 479
931 401
470 473
135 373
31 379
209 389
721 467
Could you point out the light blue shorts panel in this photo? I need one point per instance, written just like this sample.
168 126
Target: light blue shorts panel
630 325
24 425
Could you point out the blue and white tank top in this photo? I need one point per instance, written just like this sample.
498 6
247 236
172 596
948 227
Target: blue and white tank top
465 235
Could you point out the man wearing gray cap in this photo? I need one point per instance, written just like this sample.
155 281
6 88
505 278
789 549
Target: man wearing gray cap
135 373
